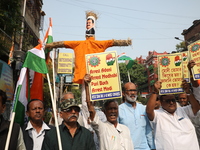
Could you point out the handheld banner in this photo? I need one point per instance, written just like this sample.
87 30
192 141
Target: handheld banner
104 71
170 73
65 62
185 60
194 52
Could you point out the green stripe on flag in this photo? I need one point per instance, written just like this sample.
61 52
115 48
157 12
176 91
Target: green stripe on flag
129 64
35 63
49 40
20 113
19 108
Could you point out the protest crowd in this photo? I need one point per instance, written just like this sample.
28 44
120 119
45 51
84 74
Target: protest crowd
165 123
168 125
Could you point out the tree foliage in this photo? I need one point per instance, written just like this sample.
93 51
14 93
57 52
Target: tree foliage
181 47
10 15
136 73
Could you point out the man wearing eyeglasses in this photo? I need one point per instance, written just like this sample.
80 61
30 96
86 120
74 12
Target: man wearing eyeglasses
73 136
133 115
172 126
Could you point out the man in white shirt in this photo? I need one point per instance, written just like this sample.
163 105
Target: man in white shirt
172 126
35 129
112 135
196 91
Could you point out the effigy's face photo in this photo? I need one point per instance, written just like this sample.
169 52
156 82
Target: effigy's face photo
89 24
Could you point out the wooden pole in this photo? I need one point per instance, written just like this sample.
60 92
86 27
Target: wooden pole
55 114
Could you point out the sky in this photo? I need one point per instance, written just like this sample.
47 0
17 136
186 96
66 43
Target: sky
151 24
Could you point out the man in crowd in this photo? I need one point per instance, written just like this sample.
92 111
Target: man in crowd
133 115
172 126
112 135
73 136
35 129
67 95
184 101
16 139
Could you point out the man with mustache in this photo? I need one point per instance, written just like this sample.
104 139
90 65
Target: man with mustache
73 136
111 134
133 115
35 129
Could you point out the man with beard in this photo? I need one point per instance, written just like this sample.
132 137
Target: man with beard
172 126
35 129
111 134
133 115
73 136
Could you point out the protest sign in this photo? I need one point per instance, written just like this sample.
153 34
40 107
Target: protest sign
185 59
194 52
65 61
104 71
170 73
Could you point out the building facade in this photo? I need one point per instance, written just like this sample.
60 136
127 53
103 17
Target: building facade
192 34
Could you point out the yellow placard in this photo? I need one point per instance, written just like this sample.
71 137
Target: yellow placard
185 59
170 73
104 71
194 52
65 62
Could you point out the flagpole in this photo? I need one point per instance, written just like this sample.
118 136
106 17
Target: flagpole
129 79
16 98
10 131
53 69
55 114
22 26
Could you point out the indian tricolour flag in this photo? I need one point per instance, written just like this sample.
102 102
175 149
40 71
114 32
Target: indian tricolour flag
129 61
25 90
48 38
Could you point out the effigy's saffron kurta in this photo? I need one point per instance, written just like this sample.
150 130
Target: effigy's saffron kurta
81 48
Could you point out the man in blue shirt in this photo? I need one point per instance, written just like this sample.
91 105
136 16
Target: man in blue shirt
134 116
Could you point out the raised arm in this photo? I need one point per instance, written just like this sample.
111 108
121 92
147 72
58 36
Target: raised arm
87 80
194 103
190 65
152 101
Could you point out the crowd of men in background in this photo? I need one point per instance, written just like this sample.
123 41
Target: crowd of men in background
165 123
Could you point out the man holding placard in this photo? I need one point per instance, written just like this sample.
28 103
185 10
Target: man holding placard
113 136
171 124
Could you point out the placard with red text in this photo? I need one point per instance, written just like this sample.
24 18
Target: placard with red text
104 71
194 51
170 73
